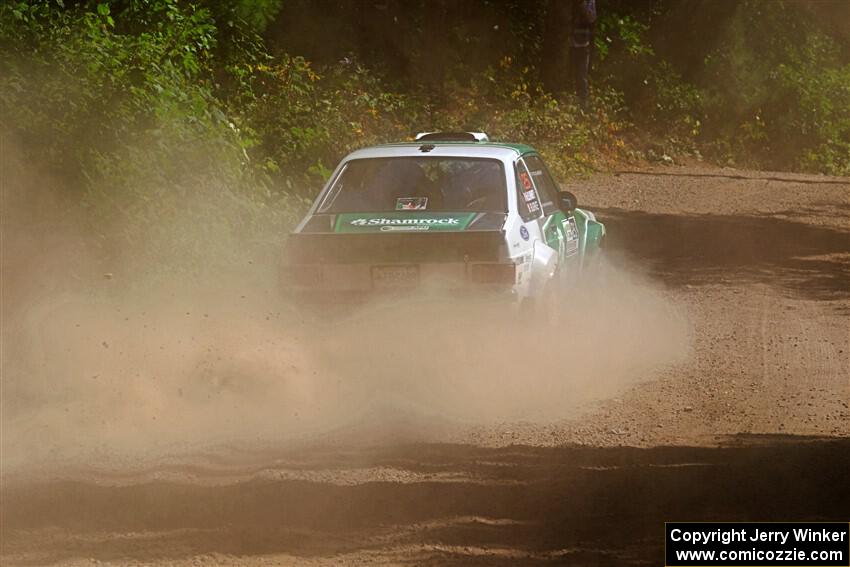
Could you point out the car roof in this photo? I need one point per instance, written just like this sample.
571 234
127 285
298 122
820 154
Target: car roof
494 150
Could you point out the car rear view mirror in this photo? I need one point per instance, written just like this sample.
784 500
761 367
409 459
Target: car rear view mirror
567 201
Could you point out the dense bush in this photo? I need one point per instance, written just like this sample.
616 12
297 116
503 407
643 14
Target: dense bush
306 119
121 105
777 90
667 110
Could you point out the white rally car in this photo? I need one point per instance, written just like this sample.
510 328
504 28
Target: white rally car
450 210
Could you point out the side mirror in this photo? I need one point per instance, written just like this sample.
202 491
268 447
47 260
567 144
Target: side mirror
567 201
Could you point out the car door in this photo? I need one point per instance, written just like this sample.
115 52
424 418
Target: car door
559 228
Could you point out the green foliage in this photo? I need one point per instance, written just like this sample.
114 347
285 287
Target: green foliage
667 110
777 91
574 142
672 108
306 120
623 32
121 100
256 14
812 82
508 104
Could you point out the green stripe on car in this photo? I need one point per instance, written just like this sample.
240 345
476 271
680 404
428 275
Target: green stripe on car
402 222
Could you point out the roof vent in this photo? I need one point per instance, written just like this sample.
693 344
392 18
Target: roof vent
452 137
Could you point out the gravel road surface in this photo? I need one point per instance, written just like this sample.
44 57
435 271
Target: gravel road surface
752 424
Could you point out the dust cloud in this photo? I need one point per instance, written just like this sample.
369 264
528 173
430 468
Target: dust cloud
99 372
484 359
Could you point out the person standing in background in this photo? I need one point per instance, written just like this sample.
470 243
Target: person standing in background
582 24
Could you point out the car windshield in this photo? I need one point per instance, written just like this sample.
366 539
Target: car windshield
418 184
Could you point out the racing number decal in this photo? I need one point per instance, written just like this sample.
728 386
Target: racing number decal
529 204
571 235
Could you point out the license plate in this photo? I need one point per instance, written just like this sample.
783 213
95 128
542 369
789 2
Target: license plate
395 277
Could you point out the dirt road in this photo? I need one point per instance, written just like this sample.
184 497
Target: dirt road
753 425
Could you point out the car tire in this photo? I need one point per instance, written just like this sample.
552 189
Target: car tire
545 308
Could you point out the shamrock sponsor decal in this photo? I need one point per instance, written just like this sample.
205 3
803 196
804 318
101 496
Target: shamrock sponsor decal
402 222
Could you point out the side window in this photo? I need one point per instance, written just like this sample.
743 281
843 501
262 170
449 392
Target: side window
527 201
546 186
333 192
